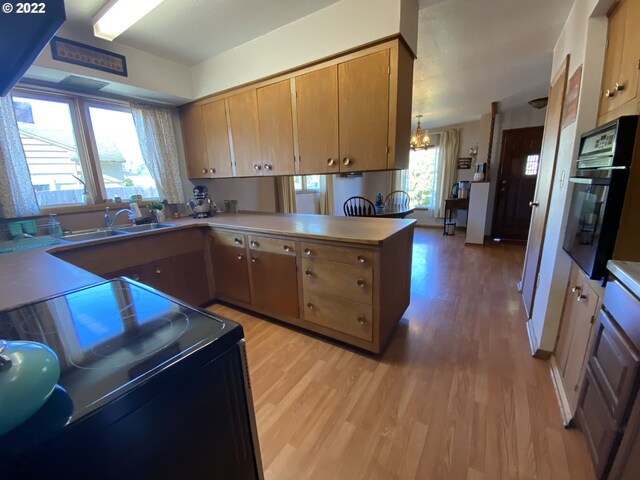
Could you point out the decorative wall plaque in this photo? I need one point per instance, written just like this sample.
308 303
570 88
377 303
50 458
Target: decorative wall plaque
87 56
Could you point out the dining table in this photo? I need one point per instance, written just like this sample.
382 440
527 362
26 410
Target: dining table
395 211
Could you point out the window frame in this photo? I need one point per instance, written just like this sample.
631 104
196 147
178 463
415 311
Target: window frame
305 188
85 142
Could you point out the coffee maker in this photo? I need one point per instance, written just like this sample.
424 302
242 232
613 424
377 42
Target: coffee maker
201 204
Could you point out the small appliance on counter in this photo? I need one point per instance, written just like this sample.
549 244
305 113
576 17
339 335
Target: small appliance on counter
201 204
148 388
460 189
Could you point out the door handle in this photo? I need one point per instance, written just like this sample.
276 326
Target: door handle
534 204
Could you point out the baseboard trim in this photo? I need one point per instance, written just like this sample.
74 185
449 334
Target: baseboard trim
534 345
558 386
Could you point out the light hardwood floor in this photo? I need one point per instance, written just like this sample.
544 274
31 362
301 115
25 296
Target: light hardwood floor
456 395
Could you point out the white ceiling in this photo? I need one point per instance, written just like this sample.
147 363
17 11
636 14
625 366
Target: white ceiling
470 52
190 31
474 52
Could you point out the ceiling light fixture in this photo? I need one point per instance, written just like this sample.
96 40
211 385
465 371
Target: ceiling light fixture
420 139
119 15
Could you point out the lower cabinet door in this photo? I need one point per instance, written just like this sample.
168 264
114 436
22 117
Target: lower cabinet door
189 277
274 278
352 318
231 272
598 426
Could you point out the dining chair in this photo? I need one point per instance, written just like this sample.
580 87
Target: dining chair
397 198
359 207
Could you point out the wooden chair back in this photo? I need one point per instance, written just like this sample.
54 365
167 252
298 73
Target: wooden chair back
397 198
359 207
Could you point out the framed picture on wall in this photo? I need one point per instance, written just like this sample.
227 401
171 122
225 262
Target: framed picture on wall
464 163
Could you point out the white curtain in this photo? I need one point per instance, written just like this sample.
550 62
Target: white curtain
398 180
326 195
154 126
449 147
17 198
287 193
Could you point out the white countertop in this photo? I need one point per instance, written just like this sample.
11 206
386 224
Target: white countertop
628 273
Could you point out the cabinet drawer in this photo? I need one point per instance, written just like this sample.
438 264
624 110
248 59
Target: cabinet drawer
347 281
614 365
597 425
330 253
230 239
345 316
272 245
624 309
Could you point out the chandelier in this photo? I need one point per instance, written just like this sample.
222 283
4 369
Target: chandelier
420 138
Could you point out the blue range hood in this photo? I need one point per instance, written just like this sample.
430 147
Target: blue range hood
23 36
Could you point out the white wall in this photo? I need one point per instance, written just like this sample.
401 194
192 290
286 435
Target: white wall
583 37
522 116
308 202
334 29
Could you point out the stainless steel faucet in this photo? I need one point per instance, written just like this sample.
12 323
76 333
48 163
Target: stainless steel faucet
110 221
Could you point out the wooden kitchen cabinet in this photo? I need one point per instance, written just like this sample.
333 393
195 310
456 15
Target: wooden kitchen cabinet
276 128
217 139
193 136
245 132
363 86
317 121
622 62
582 300
230 267
274 275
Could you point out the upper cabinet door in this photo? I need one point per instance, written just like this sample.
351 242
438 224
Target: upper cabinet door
195 149
364 112
626 83
217 139
317 112
245 133
276 128
613 57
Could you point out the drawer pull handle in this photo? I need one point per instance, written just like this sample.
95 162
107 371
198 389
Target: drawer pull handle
308 273
287 248
581 297
360 258
237 241
254 243
254 259
310 306
135 276
158 271
239 257
361 320
361 283
307 251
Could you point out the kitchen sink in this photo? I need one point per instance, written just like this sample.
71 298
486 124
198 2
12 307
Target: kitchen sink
81 237
144 228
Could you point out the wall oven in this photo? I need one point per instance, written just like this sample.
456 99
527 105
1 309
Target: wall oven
598 194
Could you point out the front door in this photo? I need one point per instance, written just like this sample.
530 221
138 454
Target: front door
519 160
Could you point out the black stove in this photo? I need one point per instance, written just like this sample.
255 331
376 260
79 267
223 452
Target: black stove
111 336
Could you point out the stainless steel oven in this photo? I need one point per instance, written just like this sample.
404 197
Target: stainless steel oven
598 194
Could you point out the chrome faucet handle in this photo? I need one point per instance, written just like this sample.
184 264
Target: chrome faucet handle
5 360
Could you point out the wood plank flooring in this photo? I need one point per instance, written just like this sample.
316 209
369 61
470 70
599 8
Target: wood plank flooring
456 395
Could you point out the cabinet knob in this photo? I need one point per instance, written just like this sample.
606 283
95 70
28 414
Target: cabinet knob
361 320
307 251
581 297
257 166
135 276
346 161
204 170
308 273
254 259
237 241
609 93
158 270
331 162
239 257
576 289
268 166
618 88
254 243
361 283
287 248
310 306
360 258
212 170
534 204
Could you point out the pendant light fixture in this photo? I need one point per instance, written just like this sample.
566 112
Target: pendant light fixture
420 139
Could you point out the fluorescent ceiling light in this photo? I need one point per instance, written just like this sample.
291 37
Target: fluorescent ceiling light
118 15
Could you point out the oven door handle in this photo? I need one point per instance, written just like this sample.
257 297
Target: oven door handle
590 181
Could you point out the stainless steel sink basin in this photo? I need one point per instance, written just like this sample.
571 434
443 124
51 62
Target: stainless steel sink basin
81 237
144 228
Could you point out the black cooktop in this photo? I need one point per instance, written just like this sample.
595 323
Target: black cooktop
111 336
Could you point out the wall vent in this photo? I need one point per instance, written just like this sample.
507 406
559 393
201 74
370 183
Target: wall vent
81 83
